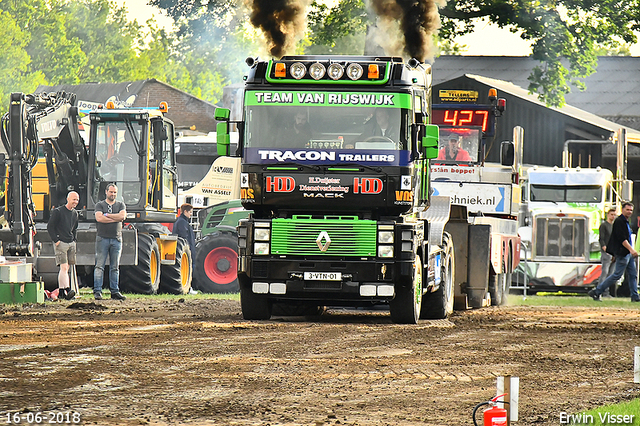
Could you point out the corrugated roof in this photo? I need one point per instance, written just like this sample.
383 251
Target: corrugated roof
568 110
613 90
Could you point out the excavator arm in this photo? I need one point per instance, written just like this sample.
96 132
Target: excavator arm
52 119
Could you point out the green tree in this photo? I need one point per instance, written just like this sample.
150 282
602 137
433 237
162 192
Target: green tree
52 51
14 62
339 30
567 35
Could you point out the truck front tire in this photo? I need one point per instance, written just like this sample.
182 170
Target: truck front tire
439 304
406 305
254 307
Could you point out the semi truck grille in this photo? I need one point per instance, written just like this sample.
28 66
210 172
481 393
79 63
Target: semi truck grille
561 238
323 237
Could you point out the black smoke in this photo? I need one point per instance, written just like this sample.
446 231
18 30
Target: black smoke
280 21
418 20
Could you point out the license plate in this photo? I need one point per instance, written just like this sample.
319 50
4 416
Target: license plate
323 276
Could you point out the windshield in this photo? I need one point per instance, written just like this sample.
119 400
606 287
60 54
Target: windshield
566 194
117 160
459 144
300 127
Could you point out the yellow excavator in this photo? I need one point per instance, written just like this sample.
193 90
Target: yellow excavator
46 157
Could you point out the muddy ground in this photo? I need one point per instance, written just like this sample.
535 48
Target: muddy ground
195 361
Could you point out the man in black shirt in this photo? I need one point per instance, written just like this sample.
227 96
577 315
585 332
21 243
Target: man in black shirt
109 217
619 245
62 227
605 258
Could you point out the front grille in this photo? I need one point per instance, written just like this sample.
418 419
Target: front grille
347 236
561 238
260 269
322 285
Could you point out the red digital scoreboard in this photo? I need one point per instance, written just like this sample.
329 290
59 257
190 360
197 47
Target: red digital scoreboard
465 116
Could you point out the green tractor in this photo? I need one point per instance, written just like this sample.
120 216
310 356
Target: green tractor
216 260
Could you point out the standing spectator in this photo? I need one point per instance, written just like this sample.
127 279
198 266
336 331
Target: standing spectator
182 227
109 217
620 247
62 227
605 258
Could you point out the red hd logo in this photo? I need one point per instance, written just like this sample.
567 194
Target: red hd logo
280 184
367 185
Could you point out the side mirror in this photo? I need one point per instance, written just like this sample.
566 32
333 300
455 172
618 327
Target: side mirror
223 139
430 141
221 114
507 153
160 131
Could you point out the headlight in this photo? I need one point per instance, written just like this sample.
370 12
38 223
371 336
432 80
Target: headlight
335 71
261 248
385 237
298 70
316 71
354 71
385 251
407 246
261 234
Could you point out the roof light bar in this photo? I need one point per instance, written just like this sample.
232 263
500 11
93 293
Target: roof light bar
354 71
317 71
298 70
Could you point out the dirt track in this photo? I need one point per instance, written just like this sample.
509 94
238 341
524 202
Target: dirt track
148 361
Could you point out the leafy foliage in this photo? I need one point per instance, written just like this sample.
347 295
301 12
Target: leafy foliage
567 35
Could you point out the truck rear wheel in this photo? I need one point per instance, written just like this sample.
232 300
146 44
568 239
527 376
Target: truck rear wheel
499 285
216 265
176 278
254 307
143 278
439 304
405 306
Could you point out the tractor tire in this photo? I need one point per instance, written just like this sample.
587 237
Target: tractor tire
405 307
216 265
254 307
439 304
143 278
176 278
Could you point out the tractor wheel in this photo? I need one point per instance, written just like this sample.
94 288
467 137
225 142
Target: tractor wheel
254 306
176 278
439 304
143 278
216 265
405 306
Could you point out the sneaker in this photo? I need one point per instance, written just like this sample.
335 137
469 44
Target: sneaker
70 294
594 295
97 296
635 300
118 296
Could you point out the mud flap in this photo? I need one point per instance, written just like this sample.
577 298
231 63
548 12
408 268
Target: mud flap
478 265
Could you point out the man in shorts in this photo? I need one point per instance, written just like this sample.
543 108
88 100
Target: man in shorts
62 227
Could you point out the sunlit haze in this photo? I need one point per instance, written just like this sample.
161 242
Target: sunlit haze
487 40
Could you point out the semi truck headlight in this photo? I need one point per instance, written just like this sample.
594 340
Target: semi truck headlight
385 237
354 71
298 70
335 71
385 251
316 71
261 234
261 248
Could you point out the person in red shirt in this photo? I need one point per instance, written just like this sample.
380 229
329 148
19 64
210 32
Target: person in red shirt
454 152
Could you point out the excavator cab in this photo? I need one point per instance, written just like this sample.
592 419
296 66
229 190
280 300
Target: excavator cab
134 148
